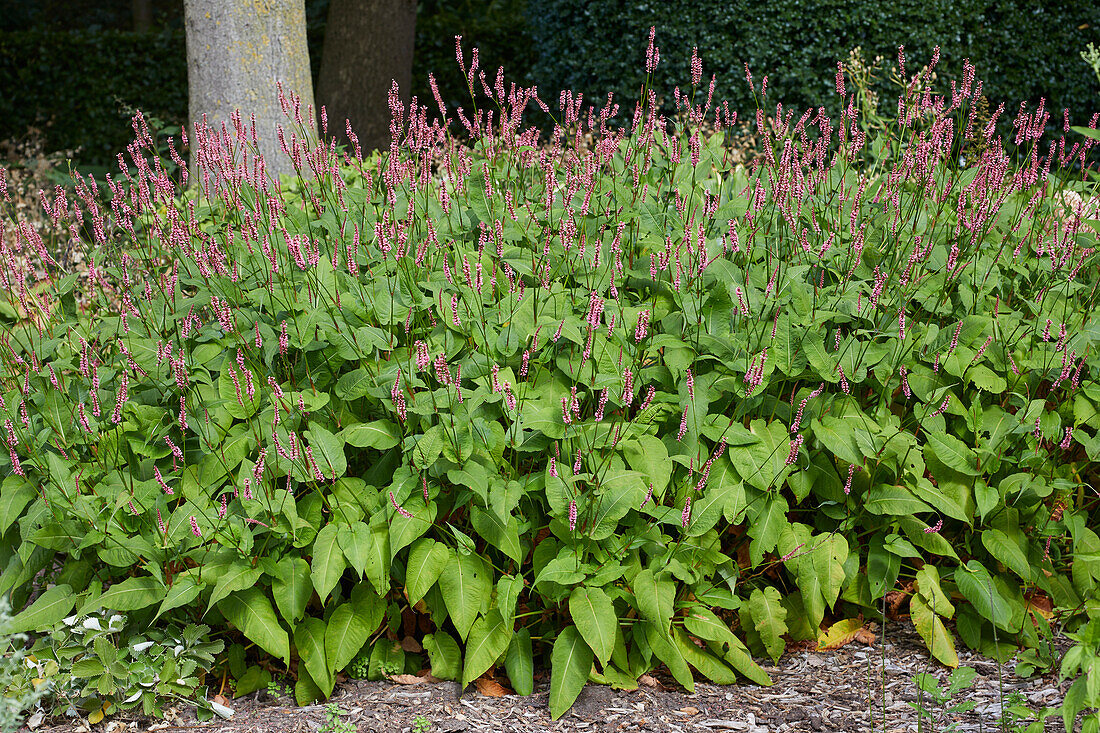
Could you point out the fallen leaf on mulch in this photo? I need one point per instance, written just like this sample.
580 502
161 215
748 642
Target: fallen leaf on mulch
689 710
863 636
491 688
407 679
648 681
839 634
411 645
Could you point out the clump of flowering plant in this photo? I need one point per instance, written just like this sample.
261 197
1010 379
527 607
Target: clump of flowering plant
607 406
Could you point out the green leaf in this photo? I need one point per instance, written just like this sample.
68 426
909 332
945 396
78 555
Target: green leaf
703 622
328 565
292 588
356 542
616 495
763 464
130 595
15 493
888 499
488 640
570 663
500 534
251 612
403 530
306 690
466 585
1008 553
769 619
593 614
508 590
309 640
239 576
952 452
928 586
354 384
345 635
712 668
935 634
379 434
328 451
444 655
665 649
648 455
182 592
655 596
977 586
427 559
520 663
425 449
46 611
377 568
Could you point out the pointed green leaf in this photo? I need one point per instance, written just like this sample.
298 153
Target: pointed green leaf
769 619
666 650
466 585
488 640
444 655
328 565
47 610
570 663
182 592
309 640
239 576
380 434
655 596
328 451
292 588
427 559
520 663
251 612
593 614
710 666
345 635
130 595
952 452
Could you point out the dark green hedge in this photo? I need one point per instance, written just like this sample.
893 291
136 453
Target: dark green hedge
74 85
1023 49
68 83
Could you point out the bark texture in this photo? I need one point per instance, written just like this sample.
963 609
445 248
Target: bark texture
368 46
237 52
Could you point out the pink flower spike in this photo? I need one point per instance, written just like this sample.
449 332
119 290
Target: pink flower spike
572 515
686 516
195 527
648 496
401 511
935 528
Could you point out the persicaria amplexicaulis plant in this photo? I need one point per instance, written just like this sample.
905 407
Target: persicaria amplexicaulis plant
581 400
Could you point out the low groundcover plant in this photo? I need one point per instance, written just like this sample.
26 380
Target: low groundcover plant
609 402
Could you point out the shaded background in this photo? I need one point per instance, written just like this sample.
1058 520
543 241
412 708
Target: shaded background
75 70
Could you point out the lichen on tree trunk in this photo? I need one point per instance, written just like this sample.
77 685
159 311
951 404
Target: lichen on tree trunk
238 51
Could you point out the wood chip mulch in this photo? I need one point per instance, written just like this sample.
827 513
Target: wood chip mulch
855 689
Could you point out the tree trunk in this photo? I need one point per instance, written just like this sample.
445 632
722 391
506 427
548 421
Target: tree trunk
142 13
237 51
368 46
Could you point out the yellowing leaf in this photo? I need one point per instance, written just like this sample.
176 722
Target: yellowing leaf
839 634
935 634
